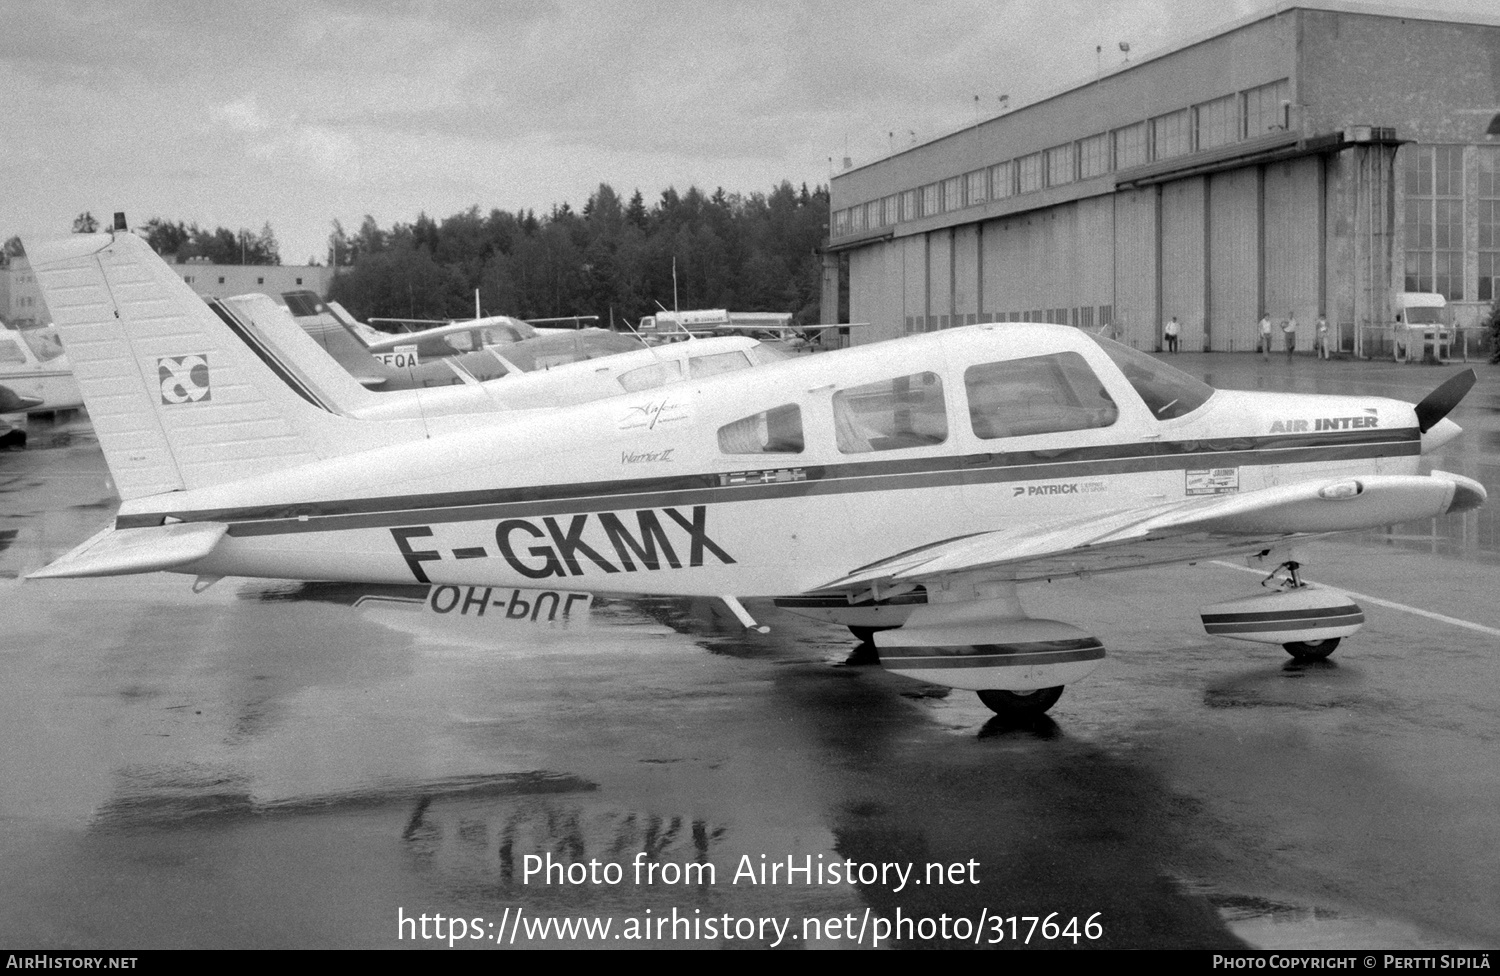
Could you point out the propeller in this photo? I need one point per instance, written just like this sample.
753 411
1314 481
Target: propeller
1437 404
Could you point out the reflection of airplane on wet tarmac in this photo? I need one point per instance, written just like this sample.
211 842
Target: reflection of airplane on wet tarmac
955 465
558 380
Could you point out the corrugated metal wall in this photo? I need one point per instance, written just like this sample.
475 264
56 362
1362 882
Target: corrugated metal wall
1135 266
1292 252
1234 257
1183 232
1093 275
940 280
966 274
875 290
914 282
1224 242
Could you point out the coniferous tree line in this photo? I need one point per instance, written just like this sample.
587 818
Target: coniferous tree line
614 259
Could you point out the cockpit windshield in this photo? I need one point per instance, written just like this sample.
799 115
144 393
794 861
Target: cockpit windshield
1167 391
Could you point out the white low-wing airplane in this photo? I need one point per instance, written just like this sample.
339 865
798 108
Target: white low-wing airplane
34 368
910 484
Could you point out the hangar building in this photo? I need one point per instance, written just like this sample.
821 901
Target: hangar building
1316 157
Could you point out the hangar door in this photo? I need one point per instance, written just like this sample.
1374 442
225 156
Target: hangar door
1293 254
1182 254
1234 260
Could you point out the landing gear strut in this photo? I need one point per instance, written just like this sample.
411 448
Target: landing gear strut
1020 704
1312 650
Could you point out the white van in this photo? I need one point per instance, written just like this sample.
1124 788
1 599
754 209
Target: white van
1421 321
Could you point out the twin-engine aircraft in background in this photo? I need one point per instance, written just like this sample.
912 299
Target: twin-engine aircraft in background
912 485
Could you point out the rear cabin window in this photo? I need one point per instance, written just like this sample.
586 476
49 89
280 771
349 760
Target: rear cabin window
891 415
775 431
1036 395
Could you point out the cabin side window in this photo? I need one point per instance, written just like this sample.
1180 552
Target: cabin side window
774 431
10 352
1036 395
891 415
650 377
724 362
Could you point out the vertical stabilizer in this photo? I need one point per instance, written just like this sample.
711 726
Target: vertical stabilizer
176 397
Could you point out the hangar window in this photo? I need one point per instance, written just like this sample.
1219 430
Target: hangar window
1093 156
1216 123
1030 173
909 205
1489 222
930 199
890 210
1434 219
1060 165
1130 145
1169 135
975 190
890 415
1002 180
1036 395
1264 109
953 190
775 431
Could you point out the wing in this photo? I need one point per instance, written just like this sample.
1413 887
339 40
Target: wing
1182 531
13 402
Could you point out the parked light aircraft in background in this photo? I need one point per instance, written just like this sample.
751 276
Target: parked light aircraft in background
37 372
321 379
913 484
403 366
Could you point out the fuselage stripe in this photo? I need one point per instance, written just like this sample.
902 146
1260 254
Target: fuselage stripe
841 479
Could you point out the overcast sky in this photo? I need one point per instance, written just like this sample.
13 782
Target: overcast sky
300 113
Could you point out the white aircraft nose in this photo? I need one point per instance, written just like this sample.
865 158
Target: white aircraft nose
1439 434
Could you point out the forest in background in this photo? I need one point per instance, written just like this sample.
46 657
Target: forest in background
614 258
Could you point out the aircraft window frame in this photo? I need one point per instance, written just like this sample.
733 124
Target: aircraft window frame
10 352
1167 391
778 430
1048 394
650 376
45 344
879 416
715 364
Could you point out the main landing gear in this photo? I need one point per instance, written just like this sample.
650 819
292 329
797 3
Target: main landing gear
1020 704
1308 621
1315 650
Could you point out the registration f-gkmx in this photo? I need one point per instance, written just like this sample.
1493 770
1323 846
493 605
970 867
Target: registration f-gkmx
905 489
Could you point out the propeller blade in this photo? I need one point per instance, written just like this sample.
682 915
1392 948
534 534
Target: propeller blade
1436 405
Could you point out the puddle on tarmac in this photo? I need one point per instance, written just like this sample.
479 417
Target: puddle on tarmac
1267 923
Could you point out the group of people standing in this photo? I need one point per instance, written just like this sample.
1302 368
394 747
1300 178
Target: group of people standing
1173 329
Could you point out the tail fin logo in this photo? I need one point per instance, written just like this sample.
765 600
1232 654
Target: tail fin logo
184 379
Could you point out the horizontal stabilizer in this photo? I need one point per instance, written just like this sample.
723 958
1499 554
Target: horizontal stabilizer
116 552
